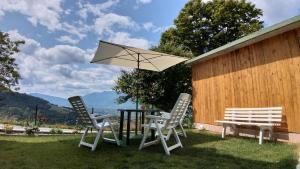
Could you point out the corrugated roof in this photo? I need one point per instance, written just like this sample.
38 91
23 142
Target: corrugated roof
255 37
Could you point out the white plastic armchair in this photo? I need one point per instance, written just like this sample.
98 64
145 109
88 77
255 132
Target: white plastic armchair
167 123
90 121
182 132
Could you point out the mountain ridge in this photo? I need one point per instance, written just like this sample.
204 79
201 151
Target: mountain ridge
98 100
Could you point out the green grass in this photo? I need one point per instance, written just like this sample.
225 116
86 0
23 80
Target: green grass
201 150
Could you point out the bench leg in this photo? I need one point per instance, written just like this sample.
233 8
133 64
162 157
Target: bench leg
224 131
261 135
235 130
271 133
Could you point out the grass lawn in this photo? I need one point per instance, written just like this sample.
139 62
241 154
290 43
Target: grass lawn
201 150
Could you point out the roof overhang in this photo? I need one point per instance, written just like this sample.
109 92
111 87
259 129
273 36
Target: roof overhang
255 37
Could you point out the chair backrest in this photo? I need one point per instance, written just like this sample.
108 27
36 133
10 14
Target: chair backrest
254 115
178 110
83 115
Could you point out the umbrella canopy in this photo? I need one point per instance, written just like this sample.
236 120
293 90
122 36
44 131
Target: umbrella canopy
121 55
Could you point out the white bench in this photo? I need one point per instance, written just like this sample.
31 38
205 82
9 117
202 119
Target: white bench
264 118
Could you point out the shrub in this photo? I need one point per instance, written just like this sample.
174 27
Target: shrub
78 129
8 129
56 131
188 119
31 130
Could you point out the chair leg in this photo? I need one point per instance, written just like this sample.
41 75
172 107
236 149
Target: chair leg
83 136
183 131
145 136
163 141
169 135
177 138
224 131
113 132
98 136
261 135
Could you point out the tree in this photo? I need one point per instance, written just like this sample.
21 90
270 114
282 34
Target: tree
9 75
205 26
199 27
157 88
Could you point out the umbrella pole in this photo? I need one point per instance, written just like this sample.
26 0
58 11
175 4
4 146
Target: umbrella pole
137 89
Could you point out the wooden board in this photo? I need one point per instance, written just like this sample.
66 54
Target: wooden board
265 74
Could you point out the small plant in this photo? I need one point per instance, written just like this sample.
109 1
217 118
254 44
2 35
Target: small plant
188 119
78 128
59 131
8 129
31 130
56 131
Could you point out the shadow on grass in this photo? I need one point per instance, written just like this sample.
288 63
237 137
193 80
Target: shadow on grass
201 150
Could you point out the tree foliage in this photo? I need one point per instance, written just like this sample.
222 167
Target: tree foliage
199 27
205 26
157 88
9 75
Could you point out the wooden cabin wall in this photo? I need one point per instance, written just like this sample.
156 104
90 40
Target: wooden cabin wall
264 74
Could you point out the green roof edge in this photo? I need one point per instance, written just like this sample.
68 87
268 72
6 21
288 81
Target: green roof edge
244 39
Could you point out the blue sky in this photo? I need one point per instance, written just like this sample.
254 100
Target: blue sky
62 35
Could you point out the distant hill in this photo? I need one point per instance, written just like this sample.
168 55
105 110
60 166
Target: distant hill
52 99
97 100
22 107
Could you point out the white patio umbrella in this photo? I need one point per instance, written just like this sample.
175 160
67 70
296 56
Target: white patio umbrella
121 55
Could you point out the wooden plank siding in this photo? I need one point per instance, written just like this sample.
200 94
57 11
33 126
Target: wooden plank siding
264 74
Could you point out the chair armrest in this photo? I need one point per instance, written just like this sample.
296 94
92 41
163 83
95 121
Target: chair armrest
99 117
165 115
156 117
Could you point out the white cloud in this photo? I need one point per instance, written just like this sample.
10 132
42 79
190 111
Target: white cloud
277 10
68 39
149 26
125 39
74 30
95 9
61 70
46 13
62 54
110 21
143 1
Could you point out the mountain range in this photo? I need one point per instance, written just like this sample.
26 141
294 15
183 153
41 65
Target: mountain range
97 100
20 106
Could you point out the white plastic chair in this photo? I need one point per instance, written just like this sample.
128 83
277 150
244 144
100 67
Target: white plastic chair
163 123
90 121
182 132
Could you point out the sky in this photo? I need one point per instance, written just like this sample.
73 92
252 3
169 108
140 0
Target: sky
62 36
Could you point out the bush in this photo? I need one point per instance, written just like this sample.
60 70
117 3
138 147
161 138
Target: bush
56 131
8 129
188 119
31 130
